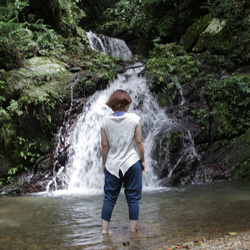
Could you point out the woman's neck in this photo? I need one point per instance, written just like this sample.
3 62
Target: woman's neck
119 113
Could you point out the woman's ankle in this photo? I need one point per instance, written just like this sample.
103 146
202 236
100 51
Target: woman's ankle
105 226
133 224
104 231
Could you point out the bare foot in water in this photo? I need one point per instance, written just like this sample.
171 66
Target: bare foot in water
104 231
133 230
133 225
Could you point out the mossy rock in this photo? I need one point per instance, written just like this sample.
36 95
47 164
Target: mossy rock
241 148
189 39
90 82
39 74
210 38
240 157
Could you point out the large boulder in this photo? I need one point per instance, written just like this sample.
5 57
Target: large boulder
210 40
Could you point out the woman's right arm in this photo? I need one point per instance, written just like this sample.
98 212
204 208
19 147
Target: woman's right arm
140 147
105 148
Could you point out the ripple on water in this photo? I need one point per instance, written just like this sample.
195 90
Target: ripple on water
64 221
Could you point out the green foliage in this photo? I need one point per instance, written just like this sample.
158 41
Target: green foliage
94 10
98 73
36 109
201 116
20 40
236 27
23 40
26 153
105 62
12 9
42 108
170 66
14 109
242 172
71 16
147 18
7 128
28 150
230 105
76 47
10 53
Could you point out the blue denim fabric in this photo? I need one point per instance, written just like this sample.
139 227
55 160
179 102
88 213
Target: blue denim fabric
132 182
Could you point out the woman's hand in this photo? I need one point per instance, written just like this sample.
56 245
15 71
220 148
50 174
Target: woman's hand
143 167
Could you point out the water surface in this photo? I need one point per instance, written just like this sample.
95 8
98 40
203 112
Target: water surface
72 221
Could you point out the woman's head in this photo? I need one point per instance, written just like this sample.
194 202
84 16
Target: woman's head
119 100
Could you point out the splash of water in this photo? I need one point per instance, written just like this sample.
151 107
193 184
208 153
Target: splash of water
188 150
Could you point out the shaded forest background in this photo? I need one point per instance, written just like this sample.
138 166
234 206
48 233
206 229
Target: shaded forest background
202 46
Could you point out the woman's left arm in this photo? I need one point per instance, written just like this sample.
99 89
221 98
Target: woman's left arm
105 148
140 147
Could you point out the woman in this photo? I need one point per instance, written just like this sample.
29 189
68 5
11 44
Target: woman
122 158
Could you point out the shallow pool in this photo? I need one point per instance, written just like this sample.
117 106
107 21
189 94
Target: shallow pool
72 221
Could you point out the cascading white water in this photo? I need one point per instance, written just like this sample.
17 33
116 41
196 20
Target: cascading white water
85 158
84 166
111 46
188 150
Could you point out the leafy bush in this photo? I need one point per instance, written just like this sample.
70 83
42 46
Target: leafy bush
236 27
94 10
228 109
171 66
147 18
230 105
23 40
25 37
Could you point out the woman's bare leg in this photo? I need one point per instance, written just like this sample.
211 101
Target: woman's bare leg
105 227
133 224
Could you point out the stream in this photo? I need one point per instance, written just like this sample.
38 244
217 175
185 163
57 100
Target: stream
63 220
70 218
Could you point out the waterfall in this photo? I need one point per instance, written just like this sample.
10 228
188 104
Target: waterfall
111 46
85 163
57 168
83 169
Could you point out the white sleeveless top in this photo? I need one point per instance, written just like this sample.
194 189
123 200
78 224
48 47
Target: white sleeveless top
120 131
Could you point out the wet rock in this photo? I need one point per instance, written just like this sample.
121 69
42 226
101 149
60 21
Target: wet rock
38 183
11 189
190 37
43 164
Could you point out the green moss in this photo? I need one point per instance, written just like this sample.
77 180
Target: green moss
190 37
240 156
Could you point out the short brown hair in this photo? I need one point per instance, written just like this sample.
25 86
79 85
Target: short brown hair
119 99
